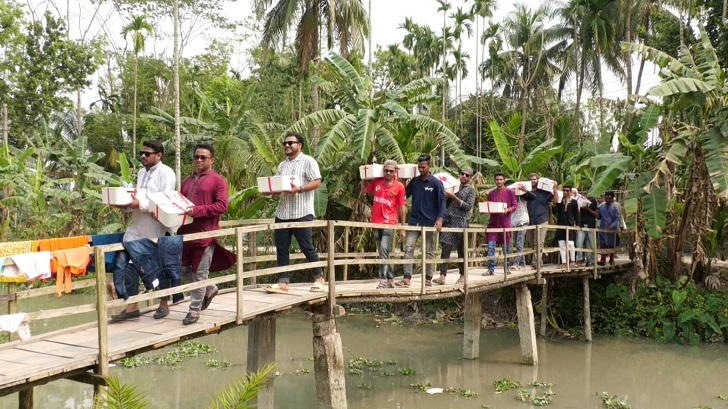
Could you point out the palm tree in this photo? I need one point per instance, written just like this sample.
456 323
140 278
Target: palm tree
462 24
482 9
345 21
530 61
136 29
444 7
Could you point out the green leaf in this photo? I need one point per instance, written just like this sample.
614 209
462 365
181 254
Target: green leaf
668 330
654 207
716 160
503 146
647 122
687 315
680 86
678 297
605 180
364 131
321 199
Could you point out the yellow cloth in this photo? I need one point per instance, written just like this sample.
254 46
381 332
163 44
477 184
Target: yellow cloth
14 247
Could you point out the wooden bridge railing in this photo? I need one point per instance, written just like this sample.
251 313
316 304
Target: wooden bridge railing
329 260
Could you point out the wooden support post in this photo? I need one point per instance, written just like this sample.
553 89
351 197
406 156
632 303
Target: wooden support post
12 302
466 257
25 399
261 352
346 252
102 369
568 253
328 360
526 325
587 311
471 325
332 267
423 235
239 275
539 249
253 251
504 246
595 245
544 306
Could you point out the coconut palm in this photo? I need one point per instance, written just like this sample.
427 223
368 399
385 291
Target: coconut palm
345 21
137 28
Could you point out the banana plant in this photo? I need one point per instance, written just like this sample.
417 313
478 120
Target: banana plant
506 146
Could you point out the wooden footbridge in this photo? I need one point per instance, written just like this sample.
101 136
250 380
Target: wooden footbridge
83 352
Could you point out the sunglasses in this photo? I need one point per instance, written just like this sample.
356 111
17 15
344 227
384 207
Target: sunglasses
145 153
289 143
389 171
201 157
467 175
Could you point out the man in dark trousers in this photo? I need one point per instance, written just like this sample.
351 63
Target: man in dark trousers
538 202
428 209
567 214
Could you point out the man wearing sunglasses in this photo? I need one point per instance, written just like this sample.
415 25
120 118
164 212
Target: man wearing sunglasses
209 193
459 209
428 209
388 205
155 176
297 205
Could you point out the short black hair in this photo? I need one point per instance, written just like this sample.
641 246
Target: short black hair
609 193
425 158
510 182
207 146
155 145
298 136
499 174
567 187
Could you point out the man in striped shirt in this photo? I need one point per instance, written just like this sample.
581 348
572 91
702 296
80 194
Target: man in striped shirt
297 205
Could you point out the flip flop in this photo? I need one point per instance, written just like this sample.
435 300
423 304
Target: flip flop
317 287
275 288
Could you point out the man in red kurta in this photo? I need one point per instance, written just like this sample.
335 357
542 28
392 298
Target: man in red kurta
500 220
209 193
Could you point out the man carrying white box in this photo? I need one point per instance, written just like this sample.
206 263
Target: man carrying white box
388 206
297 205
500 221
154 177
538 203
208 191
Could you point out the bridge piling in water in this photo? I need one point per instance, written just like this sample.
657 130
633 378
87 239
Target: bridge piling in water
262 351
471 325
587 311
526 325
328 358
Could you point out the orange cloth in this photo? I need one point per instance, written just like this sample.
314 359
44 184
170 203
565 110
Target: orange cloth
61 244
70 262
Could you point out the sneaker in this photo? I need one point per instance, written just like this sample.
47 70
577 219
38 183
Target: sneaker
428 282
489 273
123 316
208 299
190 318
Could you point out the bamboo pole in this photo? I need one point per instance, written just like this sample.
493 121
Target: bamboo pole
239 275
539 250
595 245
346 251
423 234
253 252
331 268
568 253
505 255
102 368
466 257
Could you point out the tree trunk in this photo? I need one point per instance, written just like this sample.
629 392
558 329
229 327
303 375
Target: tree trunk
177 132
134 110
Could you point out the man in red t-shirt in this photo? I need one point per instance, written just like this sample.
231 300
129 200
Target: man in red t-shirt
388 204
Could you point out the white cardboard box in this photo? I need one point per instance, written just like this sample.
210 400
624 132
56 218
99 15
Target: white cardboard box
268 184
559 196
546 184
407 171
369 172
492 207
515 186
169 208
119 196
449 182
582 201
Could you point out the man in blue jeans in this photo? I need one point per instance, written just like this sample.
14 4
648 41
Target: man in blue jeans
500 221
297 205
154 177
428 209
388 206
